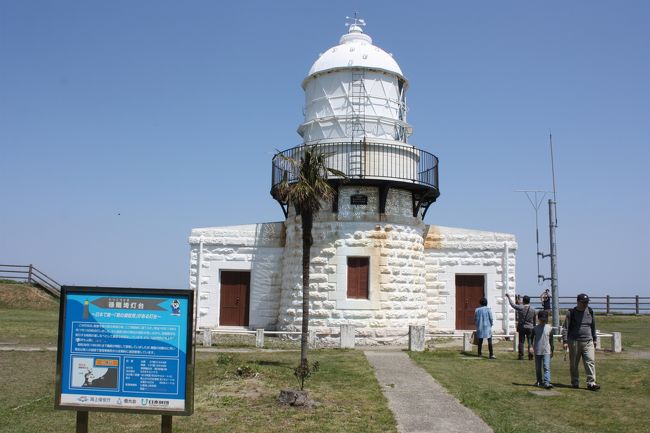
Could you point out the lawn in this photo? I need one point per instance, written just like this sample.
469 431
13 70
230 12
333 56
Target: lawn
349 396
499 390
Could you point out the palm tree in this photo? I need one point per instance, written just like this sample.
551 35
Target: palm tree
306 191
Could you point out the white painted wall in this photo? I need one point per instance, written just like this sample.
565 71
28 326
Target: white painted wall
257 248
450 251
413 269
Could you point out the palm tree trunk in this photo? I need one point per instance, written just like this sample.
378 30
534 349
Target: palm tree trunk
307 241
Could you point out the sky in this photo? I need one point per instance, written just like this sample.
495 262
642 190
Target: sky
123 125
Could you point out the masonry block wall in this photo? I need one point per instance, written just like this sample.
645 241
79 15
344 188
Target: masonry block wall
452 251
257 248
412 269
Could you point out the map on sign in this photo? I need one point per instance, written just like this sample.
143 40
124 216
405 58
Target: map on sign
124 349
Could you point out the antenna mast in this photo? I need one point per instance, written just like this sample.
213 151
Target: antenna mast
536 202
532 196
552 223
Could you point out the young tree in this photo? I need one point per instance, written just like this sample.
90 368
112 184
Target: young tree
306 189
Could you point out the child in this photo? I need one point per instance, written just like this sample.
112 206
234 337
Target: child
543 347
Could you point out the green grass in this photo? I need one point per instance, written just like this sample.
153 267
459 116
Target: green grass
225 341
28 316
498 391
634 330
29 327
349 396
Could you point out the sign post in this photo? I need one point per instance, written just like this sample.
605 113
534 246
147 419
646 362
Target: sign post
125 350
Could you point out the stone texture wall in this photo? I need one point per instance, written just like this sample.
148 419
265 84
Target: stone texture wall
395 245
412 270
257 248
450 251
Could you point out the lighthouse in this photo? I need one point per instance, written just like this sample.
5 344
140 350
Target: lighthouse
368 252
375 264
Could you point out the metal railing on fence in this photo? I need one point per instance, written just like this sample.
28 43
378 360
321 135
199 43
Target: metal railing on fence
31 275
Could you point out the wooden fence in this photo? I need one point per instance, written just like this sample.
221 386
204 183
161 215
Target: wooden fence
32 275
607 304
601 304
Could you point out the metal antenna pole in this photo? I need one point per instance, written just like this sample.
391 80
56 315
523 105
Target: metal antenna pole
552 217
536 203
552 223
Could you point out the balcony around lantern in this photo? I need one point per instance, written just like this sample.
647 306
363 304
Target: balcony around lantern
397 165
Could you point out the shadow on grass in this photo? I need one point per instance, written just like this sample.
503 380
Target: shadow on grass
273 363
532 385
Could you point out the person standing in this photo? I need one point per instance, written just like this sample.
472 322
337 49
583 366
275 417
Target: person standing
483 320
543 347
545 299
579 336
525 324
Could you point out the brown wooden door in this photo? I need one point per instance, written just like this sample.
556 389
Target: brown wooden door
469 291
235 291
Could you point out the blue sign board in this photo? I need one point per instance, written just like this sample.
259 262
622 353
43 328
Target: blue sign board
125 350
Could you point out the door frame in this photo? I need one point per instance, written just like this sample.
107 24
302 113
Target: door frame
483 294
212 302
448 278
248 298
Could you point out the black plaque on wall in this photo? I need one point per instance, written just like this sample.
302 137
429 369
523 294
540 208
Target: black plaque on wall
358 199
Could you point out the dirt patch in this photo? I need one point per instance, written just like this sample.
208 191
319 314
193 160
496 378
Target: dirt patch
25 296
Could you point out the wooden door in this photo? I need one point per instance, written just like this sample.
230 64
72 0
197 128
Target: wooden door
235 291
469 291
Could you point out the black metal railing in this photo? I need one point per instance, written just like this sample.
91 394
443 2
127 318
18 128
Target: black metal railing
366 160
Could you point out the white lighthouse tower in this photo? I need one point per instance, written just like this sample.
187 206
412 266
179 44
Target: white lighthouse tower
374 264
368 253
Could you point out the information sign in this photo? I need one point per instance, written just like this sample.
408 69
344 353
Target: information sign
125 349
359 199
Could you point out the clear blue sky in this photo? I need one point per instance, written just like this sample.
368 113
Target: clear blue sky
124 124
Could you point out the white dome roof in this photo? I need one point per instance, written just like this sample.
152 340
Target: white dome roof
355 51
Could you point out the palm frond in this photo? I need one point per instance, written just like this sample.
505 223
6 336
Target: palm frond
305 183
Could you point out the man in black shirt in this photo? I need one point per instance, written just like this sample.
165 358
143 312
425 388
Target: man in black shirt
579 336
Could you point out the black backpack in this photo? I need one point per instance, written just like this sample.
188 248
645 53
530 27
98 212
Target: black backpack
523 317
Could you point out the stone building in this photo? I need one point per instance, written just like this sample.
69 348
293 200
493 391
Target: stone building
375 263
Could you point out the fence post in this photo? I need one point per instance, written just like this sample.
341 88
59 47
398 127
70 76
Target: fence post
467 344
347 337
416 338
607 307
515 343
259 338
617 344
312 339
207 338
29 275
637 305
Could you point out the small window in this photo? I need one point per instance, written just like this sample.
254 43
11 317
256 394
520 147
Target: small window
358 277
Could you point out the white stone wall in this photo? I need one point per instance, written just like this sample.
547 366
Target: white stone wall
450 251
257 248
395 245
412 270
